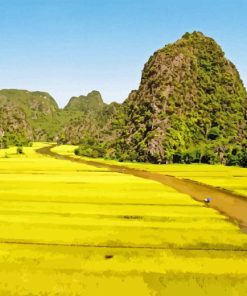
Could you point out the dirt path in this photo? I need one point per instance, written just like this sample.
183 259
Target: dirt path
229 204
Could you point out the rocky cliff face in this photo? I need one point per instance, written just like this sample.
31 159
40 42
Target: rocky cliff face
14 127
189 95
94 124
31 112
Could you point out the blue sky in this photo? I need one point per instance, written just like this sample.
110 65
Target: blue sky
70 47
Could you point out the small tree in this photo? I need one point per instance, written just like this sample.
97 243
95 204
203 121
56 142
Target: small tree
19 150
214 133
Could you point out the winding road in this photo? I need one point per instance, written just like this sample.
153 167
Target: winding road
227 203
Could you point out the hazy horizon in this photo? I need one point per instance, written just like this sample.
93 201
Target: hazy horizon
69 48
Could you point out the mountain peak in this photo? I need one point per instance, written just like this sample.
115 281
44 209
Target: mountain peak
94 93
91 102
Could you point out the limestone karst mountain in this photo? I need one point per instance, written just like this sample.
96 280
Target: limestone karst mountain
190 99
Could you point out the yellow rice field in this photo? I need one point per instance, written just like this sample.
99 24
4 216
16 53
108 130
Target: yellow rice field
72 229
230 178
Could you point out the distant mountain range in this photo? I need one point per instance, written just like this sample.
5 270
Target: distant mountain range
35 116
191 106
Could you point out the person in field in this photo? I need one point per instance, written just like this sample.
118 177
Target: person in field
207 200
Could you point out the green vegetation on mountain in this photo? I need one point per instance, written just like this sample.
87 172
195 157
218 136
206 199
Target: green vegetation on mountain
191 106
91 103
93 129
32 113
93 126
34 116
14 129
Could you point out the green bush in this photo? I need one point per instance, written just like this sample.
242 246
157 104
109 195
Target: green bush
19 150
214 133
